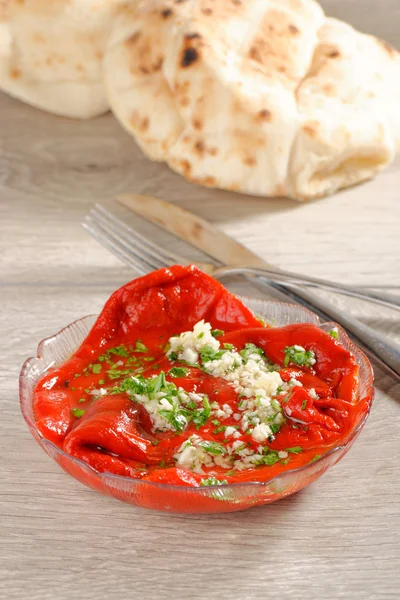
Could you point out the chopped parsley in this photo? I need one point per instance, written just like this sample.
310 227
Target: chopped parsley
219 429
217 333
251 349
208 354
299 356
316 457
228 346
213 481
178 372
294 450
240 448
262 321
116 373
201 415
334 333
270 458
140 347
177 416
78 412
120 350
304 405
213 447
81 400
96 369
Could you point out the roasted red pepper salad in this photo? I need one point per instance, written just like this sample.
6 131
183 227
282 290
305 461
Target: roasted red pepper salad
178 382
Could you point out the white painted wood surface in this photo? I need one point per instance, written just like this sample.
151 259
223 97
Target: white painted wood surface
337 539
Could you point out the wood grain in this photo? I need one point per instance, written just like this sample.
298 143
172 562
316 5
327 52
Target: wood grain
339 538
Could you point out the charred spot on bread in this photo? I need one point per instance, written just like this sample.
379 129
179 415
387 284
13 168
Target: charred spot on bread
265 114
293 29
15 73
190 56
167 12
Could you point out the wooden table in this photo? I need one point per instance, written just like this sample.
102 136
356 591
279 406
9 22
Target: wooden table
339 538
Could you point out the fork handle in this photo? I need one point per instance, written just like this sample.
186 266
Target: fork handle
288 277
384 350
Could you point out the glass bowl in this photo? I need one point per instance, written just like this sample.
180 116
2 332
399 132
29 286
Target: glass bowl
55 350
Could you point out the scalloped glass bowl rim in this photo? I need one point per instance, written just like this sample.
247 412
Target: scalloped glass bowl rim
310 317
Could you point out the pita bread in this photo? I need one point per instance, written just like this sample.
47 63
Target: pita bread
51 53
267 97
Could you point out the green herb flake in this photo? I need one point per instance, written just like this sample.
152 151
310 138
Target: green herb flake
81 400
299 356
173 356
118 373
250 349
219 429
240 448
120 350
304 405
228 346
140 347
201 335
294 450
217 333
177 417
78 412
285 460
334 333
314 458
178 372
201 415
96 369
209 354
213 481
213 448
270 458
77 375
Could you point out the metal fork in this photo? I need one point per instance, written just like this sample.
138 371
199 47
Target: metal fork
144 256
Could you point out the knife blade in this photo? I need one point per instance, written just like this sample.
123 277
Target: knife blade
193 229
203 235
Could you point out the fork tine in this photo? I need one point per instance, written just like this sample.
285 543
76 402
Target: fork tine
128 246
140 245
114 246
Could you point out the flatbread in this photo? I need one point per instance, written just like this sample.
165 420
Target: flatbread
51 53
267 97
